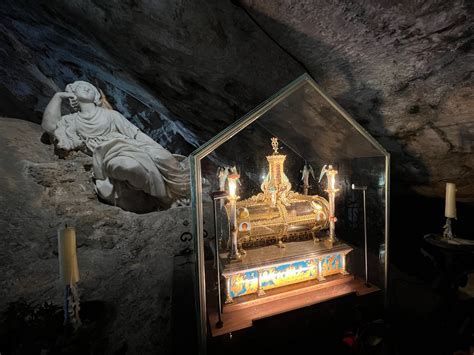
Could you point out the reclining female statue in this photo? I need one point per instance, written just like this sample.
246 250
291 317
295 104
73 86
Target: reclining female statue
130 169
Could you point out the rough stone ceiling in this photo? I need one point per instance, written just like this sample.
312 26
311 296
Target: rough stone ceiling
403 69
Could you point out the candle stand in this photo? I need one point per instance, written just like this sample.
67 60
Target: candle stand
234 254
216 196
331 190
448 229
364 189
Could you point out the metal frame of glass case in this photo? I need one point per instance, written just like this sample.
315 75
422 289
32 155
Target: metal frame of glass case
197 183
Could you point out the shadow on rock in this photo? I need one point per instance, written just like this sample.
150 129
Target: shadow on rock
38 329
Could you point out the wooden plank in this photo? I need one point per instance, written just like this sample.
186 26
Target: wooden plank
243 318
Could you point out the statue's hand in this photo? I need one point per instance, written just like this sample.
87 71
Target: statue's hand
65 95
52 112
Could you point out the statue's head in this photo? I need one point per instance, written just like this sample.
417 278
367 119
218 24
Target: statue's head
85 92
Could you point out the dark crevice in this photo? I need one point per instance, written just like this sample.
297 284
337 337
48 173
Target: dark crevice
239 4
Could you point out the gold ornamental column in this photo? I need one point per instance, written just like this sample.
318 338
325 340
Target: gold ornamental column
234 254
331 190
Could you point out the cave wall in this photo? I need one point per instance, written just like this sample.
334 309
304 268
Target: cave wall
125 259
180 70
403 69
183 70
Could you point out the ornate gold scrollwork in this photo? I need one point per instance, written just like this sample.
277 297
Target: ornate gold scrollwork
278 213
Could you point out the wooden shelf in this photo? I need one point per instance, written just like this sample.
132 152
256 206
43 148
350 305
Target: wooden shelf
245 310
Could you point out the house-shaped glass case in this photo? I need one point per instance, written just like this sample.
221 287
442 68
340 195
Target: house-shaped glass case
290 201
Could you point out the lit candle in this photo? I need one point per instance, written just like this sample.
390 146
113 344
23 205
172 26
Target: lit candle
450 207
232 179
68 270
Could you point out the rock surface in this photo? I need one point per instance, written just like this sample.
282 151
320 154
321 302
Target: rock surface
125 259
186 69
402 69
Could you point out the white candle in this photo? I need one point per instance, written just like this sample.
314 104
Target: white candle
68 269
232 179
450 207
233 199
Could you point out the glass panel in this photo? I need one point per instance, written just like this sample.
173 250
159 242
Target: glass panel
309 124
369 173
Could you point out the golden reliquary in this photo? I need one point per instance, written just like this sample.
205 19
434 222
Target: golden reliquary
278 214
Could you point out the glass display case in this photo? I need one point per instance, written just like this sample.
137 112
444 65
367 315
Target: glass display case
289 202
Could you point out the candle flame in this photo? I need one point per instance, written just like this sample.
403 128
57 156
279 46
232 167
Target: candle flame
233 185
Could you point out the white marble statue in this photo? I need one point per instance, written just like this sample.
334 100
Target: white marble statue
127 164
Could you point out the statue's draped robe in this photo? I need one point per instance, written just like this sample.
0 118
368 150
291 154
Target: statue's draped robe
109 135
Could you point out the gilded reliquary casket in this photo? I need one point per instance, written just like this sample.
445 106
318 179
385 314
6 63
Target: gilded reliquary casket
260 222
279 214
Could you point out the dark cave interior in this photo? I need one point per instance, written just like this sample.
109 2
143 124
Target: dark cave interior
182 71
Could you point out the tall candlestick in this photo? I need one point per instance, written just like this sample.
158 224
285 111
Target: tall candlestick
234 250
450 207
331 190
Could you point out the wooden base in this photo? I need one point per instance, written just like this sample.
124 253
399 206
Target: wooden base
241 314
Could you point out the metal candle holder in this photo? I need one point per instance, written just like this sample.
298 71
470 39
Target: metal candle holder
448 229
364 189
331 190
218 195
234 254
